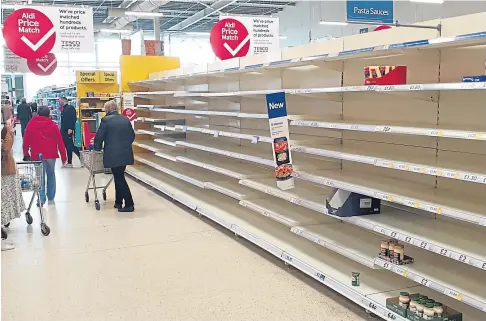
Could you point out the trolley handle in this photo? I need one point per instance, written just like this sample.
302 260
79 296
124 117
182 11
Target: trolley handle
41 158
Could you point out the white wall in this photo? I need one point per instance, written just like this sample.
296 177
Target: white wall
296 22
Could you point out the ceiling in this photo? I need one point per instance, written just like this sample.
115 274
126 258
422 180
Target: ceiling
178 15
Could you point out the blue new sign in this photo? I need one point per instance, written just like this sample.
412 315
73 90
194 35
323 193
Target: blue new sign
276 105
370 11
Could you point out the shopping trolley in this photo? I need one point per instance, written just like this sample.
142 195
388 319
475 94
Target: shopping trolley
31 176
93 161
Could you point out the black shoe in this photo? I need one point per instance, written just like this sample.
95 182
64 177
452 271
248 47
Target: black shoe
118 206
126 209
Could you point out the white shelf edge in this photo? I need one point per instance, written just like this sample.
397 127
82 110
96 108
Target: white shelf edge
333 247
477 38
393 129
462 175
288 258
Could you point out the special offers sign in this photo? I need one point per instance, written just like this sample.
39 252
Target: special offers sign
33 32
238 36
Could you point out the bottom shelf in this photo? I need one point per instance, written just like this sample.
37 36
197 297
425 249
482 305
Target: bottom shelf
321 264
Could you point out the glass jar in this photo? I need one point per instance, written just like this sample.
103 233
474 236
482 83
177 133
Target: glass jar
420 307
438 309
413 304
391 248
384 248
404 300
398 253
429 312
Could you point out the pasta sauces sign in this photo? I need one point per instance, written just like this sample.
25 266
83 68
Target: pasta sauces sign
238 36
279 132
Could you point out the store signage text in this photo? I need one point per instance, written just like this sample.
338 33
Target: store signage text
108 77
43 66
374 11
238 36
33 32
96 77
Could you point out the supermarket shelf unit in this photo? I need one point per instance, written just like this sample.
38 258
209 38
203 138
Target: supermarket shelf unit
203 139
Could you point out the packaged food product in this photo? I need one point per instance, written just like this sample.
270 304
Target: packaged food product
404 300
413 304
420 307
428 311
355 279
438 309
391 249
384 248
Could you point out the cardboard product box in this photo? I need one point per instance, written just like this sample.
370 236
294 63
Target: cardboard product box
392 304
100 105
385 75
450 314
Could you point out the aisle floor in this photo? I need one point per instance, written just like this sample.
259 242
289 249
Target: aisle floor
158 263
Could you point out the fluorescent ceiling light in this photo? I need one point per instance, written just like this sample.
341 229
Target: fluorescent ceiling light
282 37
116 30
333 23
429 1
193 33
143 14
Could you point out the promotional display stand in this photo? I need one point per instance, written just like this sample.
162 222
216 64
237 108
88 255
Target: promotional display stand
94 88
419 148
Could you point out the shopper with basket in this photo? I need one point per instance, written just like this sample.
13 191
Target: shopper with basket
12 200
42 137
115 135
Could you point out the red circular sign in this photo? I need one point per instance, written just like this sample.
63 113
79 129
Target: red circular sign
29 33
43 66
229 39
130 113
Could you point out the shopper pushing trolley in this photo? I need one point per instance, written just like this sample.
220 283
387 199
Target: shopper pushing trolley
115 137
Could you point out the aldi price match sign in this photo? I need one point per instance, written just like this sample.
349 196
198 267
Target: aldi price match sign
33 32
279 132
238 36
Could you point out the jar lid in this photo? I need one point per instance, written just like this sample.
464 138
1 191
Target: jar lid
430 301
437 304
423 297
429 305
416 299
403 293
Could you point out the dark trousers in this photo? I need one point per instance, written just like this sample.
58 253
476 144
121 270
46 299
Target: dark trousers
23 126
70 147
122 191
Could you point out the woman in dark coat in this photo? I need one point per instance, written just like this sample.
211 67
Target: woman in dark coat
117 135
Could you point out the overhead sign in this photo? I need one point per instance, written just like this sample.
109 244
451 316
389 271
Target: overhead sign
43 66
33 32
96 77
371 11
279 132
87 77
108 77
238 36
13 63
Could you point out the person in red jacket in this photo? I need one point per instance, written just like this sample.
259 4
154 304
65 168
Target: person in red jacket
42 136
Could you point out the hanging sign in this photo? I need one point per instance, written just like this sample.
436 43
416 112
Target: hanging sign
87 77
380 11
238 36
128 100
108 77
279 132
43 66
33 32
13 63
